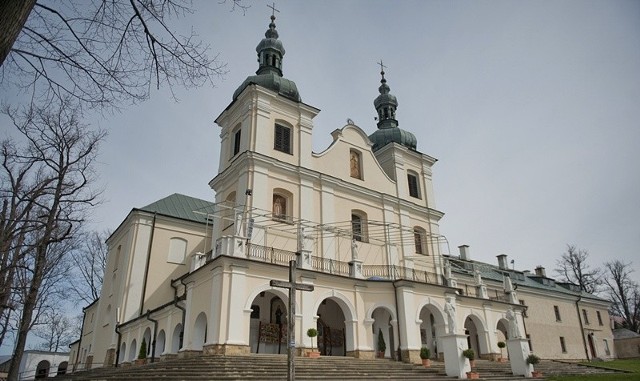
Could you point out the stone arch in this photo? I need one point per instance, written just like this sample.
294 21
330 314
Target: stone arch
42 370
266 287
383 320
477 332
62 368
199 332
430 321
348 311
267 321
388 307
123 352
133 348
146 337
160 342
177 338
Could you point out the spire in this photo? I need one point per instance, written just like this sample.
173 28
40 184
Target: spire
388 130
386 104
270 49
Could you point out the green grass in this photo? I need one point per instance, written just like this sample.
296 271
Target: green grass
626 365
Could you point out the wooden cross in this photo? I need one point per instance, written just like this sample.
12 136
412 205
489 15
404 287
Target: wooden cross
273 9
291 322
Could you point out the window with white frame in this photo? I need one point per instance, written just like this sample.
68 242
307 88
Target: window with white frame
282 138
359 225
414 186
177 250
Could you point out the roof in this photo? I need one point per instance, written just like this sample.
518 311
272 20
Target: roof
520 278
182 207
623 333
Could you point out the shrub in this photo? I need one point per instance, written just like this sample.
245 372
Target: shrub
382 346
469 353
142 354
425 353
501 344
533 359
312 332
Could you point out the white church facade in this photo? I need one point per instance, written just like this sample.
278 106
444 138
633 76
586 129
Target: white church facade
188 276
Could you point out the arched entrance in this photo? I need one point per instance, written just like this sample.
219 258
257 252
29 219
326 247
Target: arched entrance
160 342
146 339
42 370
382 325
268 323
476 335
431 329
331 329
62 368
199 332
176 338
133 350
502 334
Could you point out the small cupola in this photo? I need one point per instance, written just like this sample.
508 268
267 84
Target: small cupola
388 131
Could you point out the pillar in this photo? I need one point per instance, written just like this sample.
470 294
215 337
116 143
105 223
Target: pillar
518 350
455 365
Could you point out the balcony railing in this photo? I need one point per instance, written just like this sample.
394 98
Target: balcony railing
270 254
330 266
393 272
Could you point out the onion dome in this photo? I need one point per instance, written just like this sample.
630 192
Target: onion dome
388 130
269 74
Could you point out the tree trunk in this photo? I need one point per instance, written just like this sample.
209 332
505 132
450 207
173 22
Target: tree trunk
13 15
27 314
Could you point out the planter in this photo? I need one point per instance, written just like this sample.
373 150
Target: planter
502 359
380 355
140 361
536 374
473 375
313 354
426 363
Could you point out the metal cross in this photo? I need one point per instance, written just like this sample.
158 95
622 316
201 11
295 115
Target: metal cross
291 322
382 67
273 9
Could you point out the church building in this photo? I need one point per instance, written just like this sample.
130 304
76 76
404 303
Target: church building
188 276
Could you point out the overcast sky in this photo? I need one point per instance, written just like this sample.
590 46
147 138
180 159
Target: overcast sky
532 109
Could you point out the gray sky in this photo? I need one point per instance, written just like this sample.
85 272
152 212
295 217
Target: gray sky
531 107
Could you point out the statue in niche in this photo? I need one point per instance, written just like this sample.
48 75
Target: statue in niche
514 331
279 206
450 310
355 164
278 315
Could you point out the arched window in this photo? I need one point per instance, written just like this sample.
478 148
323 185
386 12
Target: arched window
359 225
414 186
177 250
419 235
282 138
355 163
282 205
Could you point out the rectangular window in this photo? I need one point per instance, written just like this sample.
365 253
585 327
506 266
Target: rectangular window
557 311
414 191
585 316
563 346
236 142
599 317
606 348
282 139
417 237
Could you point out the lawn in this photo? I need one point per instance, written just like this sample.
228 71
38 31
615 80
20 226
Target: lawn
627 365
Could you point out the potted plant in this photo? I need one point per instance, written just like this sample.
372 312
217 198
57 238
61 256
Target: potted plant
312 332
534 360
501 345
142 354
425 355
382 346
471 355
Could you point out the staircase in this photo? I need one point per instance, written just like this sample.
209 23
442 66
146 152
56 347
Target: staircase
274 367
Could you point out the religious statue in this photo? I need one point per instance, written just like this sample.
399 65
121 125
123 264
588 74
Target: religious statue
278 315
355 164
238 223
477 277
278 207
447 269
514 332
354 249
450 310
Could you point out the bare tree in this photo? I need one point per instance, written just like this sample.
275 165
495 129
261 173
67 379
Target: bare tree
624 293
90 260
573 268
63 152
100 52
55 329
